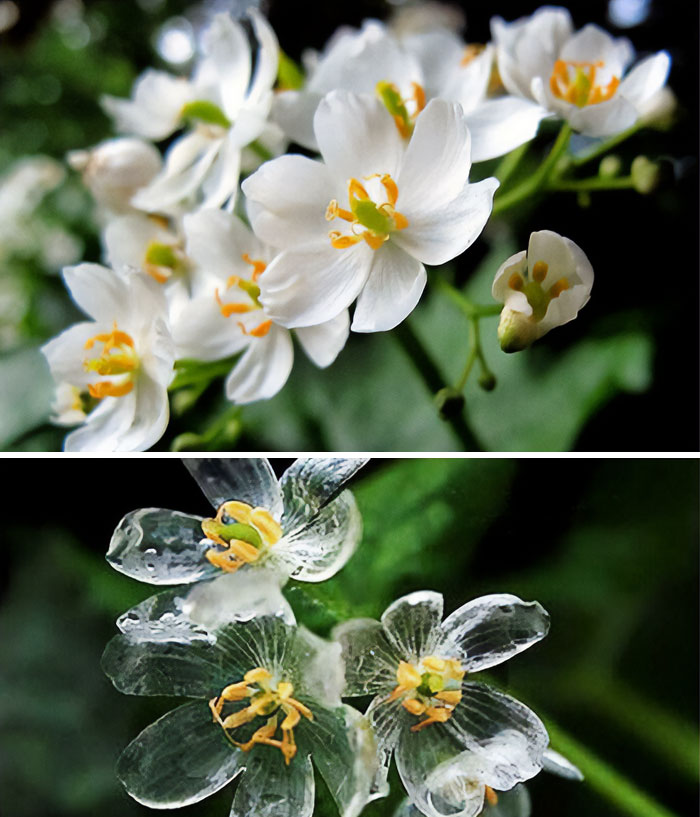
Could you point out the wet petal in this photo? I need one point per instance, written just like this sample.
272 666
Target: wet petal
320 549
370 660
512 803
412 624
246 480
270 788
310 483
180 759
159 546
492 629
555 763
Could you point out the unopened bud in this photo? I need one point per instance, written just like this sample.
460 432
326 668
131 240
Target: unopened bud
487 381
449 402
516 331
610 167
645 175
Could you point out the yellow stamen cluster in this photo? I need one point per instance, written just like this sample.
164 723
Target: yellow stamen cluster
431 689
575 82
378 220
252 290
244 541
538 297
118 357
266 699
403 110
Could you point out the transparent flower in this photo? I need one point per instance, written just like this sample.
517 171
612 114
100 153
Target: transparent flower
112 372
362 223
222 108
540 289
579 76
224 316
407 72
304 526
453 739
267 702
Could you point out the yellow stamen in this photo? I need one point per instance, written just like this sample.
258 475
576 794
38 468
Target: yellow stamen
471 52
539 271
240 511
558 287
118 357
268 527
516 282
408 676
259 266
574 82
491 796
414 706
435 715
259 331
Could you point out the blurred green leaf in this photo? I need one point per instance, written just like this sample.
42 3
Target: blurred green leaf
25 397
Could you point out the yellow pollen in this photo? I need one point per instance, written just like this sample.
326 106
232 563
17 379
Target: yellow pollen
491 796
432 689
118 357
403 110
249 288
516 282
558 287
539 271
242 541
266 699
575 82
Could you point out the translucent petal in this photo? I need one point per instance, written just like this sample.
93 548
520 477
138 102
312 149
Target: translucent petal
512 803
439 779
493 628
310 483
344 752
412 624
180 759
389 719
159 546
508 738
246 480
370 660
318 550
321 667
269 788
554 763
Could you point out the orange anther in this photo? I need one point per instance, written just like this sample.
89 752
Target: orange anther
539 271
491 796
558 287
259 266
105 388
516 282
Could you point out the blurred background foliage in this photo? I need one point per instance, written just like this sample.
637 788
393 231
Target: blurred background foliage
609 547
620 377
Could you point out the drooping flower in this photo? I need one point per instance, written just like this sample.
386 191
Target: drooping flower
362 223
225 317
304 526
267 703
407 72
221 108
112 372
541 288
579 76
452 737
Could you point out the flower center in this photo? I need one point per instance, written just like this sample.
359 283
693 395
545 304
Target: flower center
398 107
537 296
252 290
575 82
432 688
205 112
265 699
118 357
378 220
242 534
162 261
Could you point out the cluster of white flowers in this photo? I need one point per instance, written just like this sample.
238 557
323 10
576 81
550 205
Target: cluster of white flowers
227 638
397 119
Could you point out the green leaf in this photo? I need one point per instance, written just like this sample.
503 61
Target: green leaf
25 397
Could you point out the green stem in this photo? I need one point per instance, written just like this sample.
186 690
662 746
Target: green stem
260 150
433 380
605 146
471 359
594 183
463 302
606 780
190 372
539 178
509 163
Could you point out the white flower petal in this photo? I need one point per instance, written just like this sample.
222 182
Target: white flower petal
323 342
202 332
98 291
494 628
412 624
605 118
439 54
294 113
320 549
263 369
158 773
225 70
126 240
593 44
270 788
245 480
370 660
221 181
392 291
357 136
436 165
287 200
266 58
66 352
500 125
645 79
555 763
312 284
105 426
501 291
439 235
151 414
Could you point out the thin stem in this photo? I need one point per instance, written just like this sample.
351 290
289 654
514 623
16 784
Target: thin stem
433 379
463 302
471 359
602 777
605 146
594 183
509 163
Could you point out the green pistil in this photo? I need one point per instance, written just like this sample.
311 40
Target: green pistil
537 298
582 85
237 530
431 683
161 255
393 102
202 110
251 289
371 217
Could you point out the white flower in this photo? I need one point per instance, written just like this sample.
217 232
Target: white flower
540 289
115 169
302 526
578 76
224 316
113 371
362 223
266 702
453 738
223 108
411 71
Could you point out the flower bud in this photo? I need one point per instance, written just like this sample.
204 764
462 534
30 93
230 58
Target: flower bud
659 112
610 167
645 175
515 330
487 381
449 402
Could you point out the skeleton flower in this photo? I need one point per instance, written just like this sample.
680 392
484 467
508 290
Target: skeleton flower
578 76
540 289
112 372
225 316
453 738
266 702
362 223
302 526
221 107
